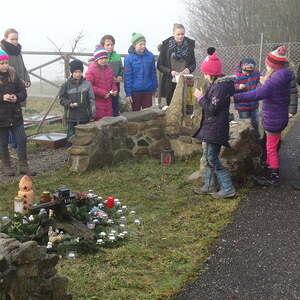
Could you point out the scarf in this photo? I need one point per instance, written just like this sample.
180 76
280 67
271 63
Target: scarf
180 51
11 49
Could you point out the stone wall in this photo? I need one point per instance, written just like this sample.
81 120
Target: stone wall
27 272
114 139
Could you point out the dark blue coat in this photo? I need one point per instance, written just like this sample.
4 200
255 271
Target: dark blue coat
139 73
214 127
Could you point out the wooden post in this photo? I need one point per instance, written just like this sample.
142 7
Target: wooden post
67 68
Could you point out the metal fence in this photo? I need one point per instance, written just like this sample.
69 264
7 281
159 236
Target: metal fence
231 56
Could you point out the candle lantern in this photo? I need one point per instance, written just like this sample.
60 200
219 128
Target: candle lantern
167 157
110 202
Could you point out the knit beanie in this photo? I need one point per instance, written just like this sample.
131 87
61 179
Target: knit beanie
3 55
212 65
100 52
277 59
247 64
136 38
76 65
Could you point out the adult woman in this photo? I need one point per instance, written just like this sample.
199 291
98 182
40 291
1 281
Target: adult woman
176 56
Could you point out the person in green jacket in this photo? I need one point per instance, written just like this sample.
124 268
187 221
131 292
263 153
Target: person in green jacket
115 62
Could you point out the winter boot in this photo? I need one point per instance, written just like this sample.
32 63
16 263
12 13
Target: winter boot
271 178
23 164
209 183
227 189
5 159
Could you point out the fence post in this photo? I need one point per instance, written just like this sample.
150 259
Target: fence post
67 68
261 49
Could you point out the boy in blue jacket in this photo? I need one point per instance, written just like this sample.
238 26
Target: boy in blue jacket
140 81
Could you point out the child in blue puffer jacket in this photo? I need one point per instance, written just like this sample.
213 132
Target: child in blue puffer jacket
140 81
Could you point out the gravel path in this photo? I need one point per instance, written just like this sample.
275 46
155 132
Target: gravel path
258 255
42 162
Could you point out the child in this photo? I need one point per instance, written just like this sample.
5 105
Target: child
247 80
276 95
12 94
140 80
115 62
11 46
77 97
214 128
100 75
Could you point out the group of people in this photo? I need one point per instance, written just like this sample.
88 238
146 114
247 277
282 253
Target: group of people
97 95
279 94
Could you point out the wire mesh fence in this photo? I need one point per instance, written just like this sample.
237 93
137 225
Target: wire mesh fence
231 56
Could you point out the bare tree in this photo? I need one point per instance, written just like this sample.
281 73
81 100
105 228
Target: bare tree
239 22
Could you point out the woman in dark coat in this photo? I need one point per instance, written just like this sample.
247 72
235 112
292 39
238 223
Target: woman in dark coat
176 56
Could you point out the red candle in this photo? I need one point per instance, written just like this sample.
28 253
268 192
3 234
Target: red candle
110 202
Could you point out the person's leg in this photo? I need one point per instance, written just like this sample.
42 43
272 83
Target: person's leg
71 129
254 116
4 153
115 105
272 176
146 100
223 176
136 102
21 138
170 96
12 141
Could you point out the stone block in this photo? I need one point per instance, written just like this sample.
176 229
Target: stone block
184 150
122 155
155 133
82 140
156 148
144 115
139 151
132 128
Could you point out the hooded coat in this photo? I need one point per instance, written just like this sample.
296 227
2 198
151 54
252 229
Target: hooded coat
214 126
276 95
103 82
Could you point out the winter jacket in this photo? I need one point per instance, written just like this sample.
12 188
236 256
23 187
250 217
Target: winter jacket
250 81
164 65
293 107
298 75
214 127
102 81
276 95
11 113
80 92
16 60
139 73
115 62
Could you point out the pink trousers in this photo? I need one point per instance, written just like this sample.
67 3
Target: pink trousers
272 153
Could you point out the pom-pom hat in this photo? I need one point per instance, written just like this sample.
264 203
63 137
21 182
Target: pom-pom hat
3 55
100 52
277 58
136 38
212 64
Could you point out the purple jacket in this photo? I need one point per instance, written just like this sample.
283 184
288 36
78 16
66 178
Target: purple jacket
214 127
276 95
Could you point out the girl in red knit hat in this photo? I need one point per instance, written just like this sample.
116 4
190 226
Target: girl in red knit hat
214 128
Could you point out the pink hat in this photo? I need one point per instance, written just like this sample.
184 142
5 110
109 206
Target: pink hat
277 59
3 55
212 65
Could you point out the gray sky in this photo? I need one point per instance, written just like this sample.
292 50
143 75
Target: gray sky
62 20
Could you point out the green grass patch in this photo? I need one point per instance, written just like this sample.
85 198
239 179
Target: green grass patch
178 230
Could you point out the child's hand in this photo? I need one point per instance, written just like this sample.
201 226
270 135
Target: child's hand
186 71
174 73
129 99
6 97
114 93
198 93
290 116
106 96
242 86
13 98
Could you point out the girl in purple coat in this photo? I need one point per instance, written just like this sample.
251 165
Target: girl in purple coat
276 95
214 127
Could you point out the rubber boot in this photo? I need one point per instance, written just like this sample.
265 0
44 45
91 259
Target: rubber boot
271 178
5 159
227 189
23 164
209 183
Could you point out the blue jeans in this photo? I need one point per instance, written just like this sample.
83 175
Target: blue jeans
252 114
11 140
211 154
18 133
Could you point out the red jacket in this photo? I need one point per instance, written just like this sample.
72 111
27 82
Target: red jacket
102 81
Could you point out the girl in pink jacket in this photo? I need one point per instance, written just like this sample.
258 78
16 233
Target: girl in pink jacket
100 75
